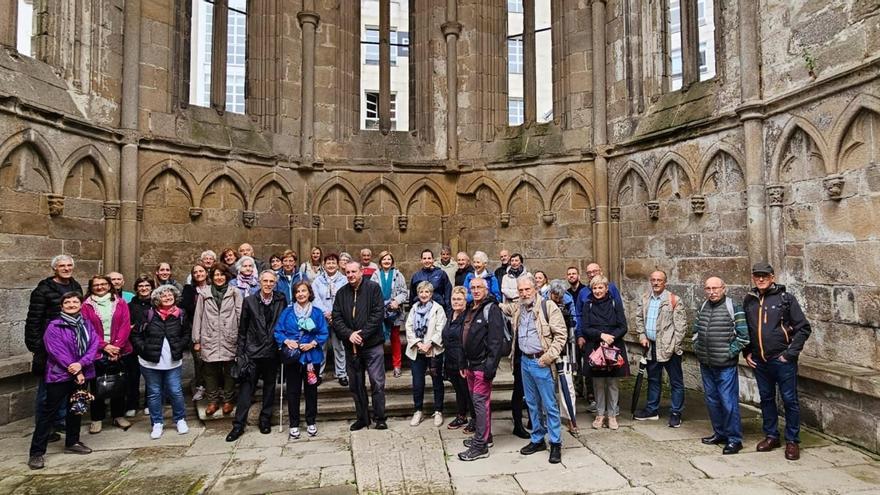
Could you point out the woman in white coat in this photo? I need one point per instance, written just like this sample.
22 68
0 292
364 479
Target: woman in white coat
424 346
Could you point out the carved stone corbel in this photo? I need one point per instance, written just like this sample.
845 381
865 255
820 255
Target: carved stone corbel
195 213
56 204
698 204
548 217
402 222
316 221
249 218
834 186
653 209
614 212
359 223
775 195
139 214
505 219
111 210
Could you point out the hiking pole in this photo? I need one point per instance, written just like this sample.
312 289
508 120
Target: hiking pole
281 403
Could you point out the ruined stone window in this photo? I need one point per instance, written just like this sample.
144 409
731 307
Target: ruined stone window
218 54
25 27
529 53
385 66
690 42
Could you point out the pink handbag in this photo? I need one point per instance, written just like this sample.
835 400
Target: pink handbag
606 358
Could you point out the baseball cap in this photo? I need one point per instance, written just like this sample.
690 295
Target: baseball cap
762 267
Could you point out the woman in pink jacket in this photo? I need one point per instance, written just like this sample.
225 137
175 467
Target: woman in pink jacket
108 314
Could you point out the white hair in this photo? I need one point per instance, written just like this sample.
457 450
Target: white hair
242 260
207 253
60 258
481 257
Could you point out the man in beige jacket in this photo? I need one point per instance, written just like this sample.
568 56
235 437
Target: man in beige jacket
539 333
661 324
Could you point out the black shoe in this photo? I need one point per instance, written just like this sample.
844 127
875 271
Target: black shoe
533 447
555 453
381 425
732 448
357 425
77 448
714 439
36 462
468 441
521 432
54 437
474 454
471 426
675 420
645 415
265 429
457 423
343 382
235 434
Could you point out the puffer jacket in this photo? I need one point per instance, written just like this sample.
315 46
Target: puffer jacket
216 329
671 325
777 325
288 328
45 306
147 339
433 335
256 334
451 336
718 338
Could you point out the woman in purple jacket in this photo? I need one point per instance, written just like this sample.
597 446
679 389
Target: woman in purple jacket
71 345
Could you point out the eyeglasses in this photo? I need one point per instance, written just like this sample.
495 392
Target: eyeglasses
713 289
102 284
762 276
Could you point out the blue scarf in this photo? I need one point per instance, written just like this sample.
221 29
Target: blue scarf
385 280
420 322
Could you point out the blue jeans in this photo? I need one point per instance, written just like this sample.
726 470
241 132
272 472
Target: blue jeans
160 384
676 382
540 391
784 375
721 386
419 368
61 414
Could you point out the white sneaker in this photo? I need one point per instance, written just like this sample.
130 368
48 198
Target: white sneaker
199 394
130 413
158 428
438 419
146 411
312 430
294 433
416 419
182 427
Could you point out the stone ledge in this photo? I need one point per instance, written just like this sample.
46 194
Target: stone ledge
857 379
15 365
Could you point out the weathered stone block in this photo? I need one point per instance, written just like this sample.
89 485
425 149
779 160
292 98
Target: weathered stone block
21 404
732 270
850 423
831 263
817 302
844 305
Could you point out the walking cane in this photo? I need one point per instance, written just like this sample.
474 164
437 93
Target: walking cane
281 403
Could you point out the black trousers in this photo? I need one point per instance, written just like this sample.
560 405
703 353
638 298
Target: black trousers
133 383
368 362
517 400
297 381
98 408
267 369
56 397
463 403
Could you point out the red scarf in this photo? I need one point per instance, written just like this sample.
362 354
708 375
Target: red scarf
164 313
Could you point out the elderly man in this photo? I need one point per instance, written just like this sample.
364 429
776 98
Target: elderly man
504 256
720 333
357 315
463 268
118 283
367 264
446 264
248 250
482 339
661 326
539 335
777 323
594 270
507 283
437 277
45 305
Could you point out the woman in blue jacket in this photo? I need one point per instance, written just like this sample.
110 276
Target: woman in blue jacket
302 327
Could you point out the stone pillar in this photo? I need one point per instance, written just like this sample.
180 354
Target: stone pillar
385 67
600 136
753 136
451 29
9 23
690 43
616 266
218 55
128 169
775 202
111 235
308 21
530 90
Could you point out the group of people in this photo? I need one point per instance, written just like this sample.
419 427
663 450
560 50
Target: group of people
244 320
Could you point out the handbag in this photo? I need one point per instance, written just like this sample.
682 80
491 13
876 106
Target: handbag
290 356
606 358
111 382
242 367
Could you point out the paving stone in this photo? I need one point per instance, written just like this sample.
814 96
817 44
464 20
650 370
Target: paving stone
161 485
501 463
595 479
400 460
66 484
210 442
499 484
752 486
338 475
58 463
289 480
755 464
841 455
835 481
659 431
138 436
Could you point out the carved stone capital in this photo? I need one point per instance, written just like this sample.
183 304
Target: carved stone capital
292 221
249 218
451 28
306 17
56 204
402 222
594 215
614 212
316 221
359 223
834 186
195 213
139 214
698 204
775 195
548 217
653 209
111 209
505 219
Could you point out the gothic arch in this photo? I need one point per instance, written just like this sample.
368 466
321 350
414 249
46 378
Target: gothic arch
794 124
862 102
173 167
89 151
224 173
709 156
578 178
635 168
671 159
524 178
341 183
383 183
264 182
487 182
431 186
42 147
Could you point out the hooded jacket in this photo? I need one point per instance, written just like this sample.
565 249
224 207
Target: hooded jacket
61 351
777 325
216 329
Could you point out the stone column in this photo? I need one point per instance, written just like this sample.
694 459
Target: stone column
600 136
385 67
775 202
530 90
615 270
308 21
111 235
753 137
9 23
128 170
451 29
690 43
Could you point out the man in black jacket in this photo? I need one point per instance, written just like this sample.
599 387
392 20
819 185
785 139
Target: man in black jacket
45 305
778 330
357 321
482 338
256 343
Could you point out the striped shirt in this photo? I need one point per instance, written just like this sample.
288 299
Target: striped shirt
652 315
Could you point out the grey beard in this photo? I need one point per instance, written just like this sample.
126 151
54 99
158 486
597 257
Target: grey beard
526 303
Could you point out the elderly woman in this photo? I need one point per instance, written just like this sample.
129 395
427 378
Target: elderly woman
480 271
603 322
160 343
198 283
288 276
395 293
137 309
108 315
453 357
424 345
71 346
246 281
302 327
325 287
215 337
344 258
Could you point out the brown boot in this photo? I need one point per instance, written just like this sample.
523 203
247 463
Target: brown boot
227 408
792 451
768 444
211 409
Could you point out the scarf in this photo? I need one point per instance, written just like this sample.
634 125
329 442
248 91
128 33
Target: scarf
385 280
245 283
82 333
420 322
164 313
516 272
304 318
104 307
217 292
266 300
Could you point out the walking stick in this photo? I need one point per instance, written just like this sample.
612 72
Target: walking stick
281 403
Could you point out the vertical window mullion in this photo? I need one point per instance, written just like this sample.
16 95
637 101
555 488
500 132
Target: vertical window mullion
530 93
218 55
690 36
384 66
